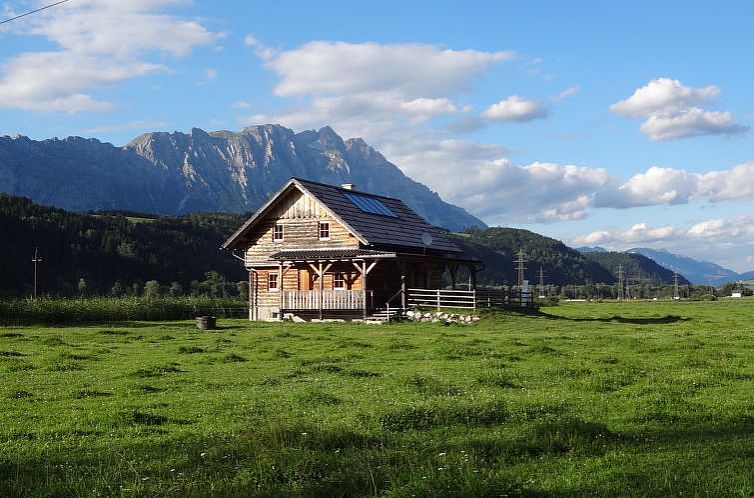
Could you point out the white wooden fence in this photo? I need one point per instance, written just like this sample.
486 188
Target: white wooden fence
467 299
329 299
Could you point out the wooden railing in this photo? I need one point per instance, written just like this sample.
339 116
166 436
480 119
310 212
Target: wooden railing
328 299
467 299
442 298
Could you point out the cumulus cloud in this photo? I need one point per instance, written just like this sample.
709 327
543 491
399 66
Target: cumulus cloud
675 186
414 70
480 178
516 109
352 85
100 43
663 96
392 95
671 111
690 122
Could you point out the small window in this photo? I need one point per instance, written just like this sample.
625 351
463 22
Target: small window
272 282
338 281
277 233
324 230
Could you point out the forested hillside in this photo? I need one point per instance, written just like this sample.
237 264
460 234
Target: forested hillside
112 254
561 265
636 267
117 253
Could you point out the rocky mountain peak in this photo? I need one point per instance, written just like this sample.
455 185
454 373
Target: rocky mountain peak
177 172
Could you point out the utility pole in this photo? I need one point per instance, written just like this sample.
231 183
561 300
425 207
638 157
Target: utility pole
676 291
541 282
520 260
710 279
620 282
37 259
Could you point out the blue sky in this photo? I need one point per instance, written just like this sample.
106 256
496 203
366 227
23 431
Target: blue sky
598 123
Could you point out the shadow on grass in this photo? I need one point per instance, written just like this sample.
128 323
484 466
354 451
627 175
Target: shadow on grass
615 318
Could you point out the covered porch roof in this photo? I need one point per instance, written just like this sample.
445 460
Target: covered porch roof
355 254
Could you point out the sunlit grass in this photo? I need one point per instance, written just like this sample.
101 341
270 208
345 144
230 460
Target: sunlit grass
647 399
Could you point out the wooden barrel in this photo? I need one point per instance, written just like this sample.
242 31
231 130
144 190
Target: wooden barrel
206 322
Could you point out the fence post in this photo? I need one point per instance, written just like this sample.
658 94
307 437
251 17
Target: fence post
438 299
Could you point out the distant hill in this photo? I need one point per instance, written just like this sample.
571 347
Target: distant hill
561 265
634 266
697 272
221 171
591 249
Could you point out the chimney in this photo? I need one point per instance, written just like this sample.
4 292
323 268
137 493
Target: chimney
348 186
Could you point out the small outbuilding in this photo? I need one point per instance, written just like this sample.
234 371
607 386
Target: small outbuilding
320 251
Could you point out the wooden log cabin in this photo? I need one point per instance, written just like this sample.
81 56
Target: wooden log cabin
319 251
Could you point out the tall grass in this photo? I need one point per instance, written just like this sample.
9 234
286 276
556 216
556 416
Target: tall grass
110 309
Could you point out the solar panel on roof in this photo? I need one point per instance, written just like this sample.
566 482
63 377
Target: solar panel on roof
370 204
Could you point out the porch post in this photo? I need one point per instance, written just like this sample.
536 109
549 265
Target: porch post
364 288
403 284
321 288
280 290
252 294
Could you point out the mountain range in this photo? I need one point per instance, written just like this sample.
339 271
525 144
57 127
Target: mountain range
178 173
695 271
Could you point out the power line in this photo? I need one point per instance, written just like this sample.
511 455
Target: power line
33 11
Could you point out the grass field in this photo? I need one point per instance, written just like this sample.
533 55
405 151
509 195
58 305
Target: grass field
645 399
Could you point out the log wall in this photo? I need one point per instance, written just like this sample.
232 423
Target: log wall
300 216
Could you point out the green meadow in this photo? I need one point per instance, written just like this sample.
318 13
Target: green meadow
604 399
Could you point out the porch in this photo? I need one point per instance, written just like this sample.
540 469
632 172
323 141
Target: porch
352 283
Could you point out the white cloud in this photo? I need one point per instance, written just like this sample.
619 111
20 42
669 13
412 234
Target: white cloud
655 186
413 70
210 73
382 94
671 113
516 109
566 93
364 87
691 122
672 186
736 183
663 96
101 43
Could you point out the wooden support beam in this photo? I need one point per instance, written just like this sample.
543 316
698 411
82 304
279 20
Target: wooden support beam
280 291
364 273
402 268
321 274
453 268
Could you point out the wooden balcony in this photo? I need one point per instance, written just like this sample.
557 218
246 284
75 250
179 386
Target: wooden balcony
327 300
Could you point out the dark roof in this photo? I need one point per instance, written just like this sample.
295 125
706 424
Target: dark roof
404 231
327 254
